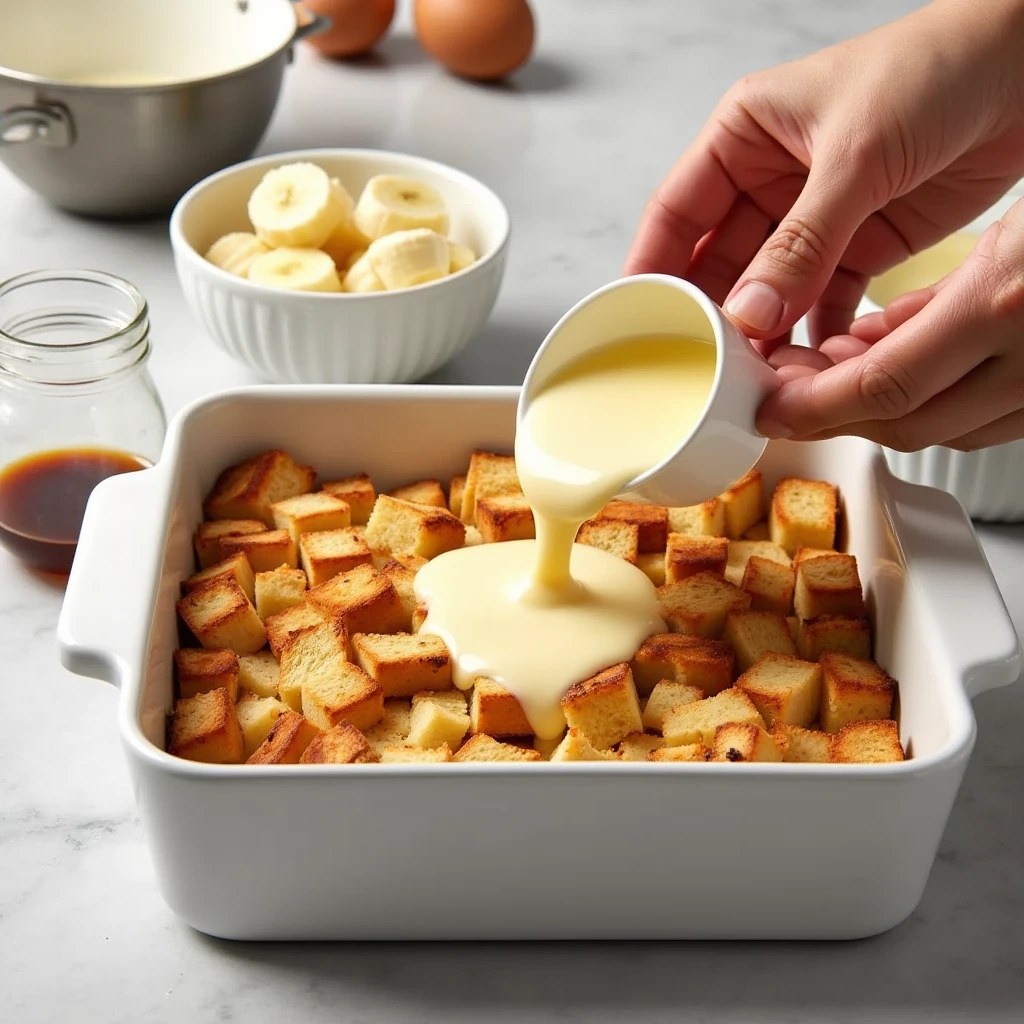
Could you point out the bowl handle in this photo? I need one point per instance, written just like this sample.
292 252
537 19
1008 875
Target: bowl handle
309 24
104 622
970 616
49 125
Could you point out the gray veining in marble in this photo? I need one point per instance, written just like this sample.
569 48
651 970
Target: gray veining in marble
574 146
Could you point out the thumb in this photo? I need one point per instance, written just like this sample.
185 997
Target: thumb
792 268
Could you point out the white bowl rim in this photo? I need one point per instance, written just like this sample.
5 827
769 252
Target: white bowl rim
187 251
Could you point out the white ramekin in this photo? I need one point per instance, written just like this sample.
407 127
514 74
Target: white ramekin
311 338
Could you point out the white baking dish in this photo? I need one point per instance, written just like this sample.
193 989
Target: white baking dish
544 851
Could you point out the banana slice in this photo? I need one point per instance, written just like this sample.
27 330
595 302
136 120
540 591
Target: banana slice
403 259
300 270
236 251
346 241
297 206
462 256
392 203
361 277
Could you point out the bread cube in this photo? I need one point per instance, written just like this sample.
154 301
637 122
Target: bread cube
326 553
759 531
221 616
501 517
482 747
403 579
287 740
833 633
363 599
651 522
456 491
258 673
665 695
547 746
403 528
419 616
279 590
770 585
576 746
802 554
401 754
783 689
853 690
695 661
265 551
688 555
803 514
402 664
806 746
495 711
422 492
205 728
247 490
828 586
653 566
199 670
698 606
313 652
256 716
706 519
753 634
744 504
488 474
341 744
236 568
793 622
438 719
285 624
614 536
737 741
637 745
311 513
683 752
741 551
346 694
393 728
698 722
358 493
867 743
605 706
208 537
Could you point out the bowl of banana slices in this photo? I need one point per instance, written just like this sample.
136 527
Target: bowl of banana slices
340 266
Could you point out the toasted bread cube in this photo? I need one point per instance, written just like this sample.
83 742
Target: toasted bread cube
347 694
803 514
438 719
706 519
695 661
612 535
653 565
488 474
473 537
278 590
381 559
358 493
327 553
867 743
402 664
256 716
313 652
546 747
783 688
682 752
687 555
833 633
605 706
393 728
753 634
341 744
759 531
697 722
311 513
236 567
422 492
265 551
501 517
744 504
803 554
247 490
770 585
199 670
651 522
793 622
456 491
403 580
285 624
853 690
737 741
364 599
419 616
698 606
576 746
741 551
287 740
208 537
495 711
667 694
828 586
221 616
205 728
402 754
482 747
258 673
403 528
637 745
800 745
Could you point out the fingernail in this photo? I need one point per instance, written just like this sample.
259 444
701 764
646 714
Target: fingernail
774 429
757 305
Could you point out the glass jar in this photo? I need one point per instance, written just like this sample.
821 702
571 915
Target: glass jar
77 404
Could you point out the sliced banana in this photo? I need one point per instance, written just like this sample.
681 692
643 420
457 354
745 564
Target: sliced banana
403 259
346 241
236 251
300 270
391 203
297 206
462 256
361 277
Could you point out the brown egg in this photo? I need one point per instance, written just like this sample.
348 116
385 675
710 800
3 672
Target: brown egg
481 39
356 25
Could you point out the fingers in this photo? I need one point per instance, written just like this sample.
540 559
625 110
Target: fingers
835 309
722 255
843 347
792 362
1001 431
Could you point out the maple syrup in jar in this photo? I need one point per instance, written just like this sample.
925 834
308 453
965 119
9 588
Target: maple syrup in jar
77 405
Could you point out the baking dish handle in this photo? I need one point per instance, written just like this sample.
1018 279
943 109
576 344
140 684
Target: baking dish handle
935 533
104 621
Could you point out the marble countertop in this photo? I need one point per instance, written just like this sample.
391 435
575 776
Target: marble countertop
574 145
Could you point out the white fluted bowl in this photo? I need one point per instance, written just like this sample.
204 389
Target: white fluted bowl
340 338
